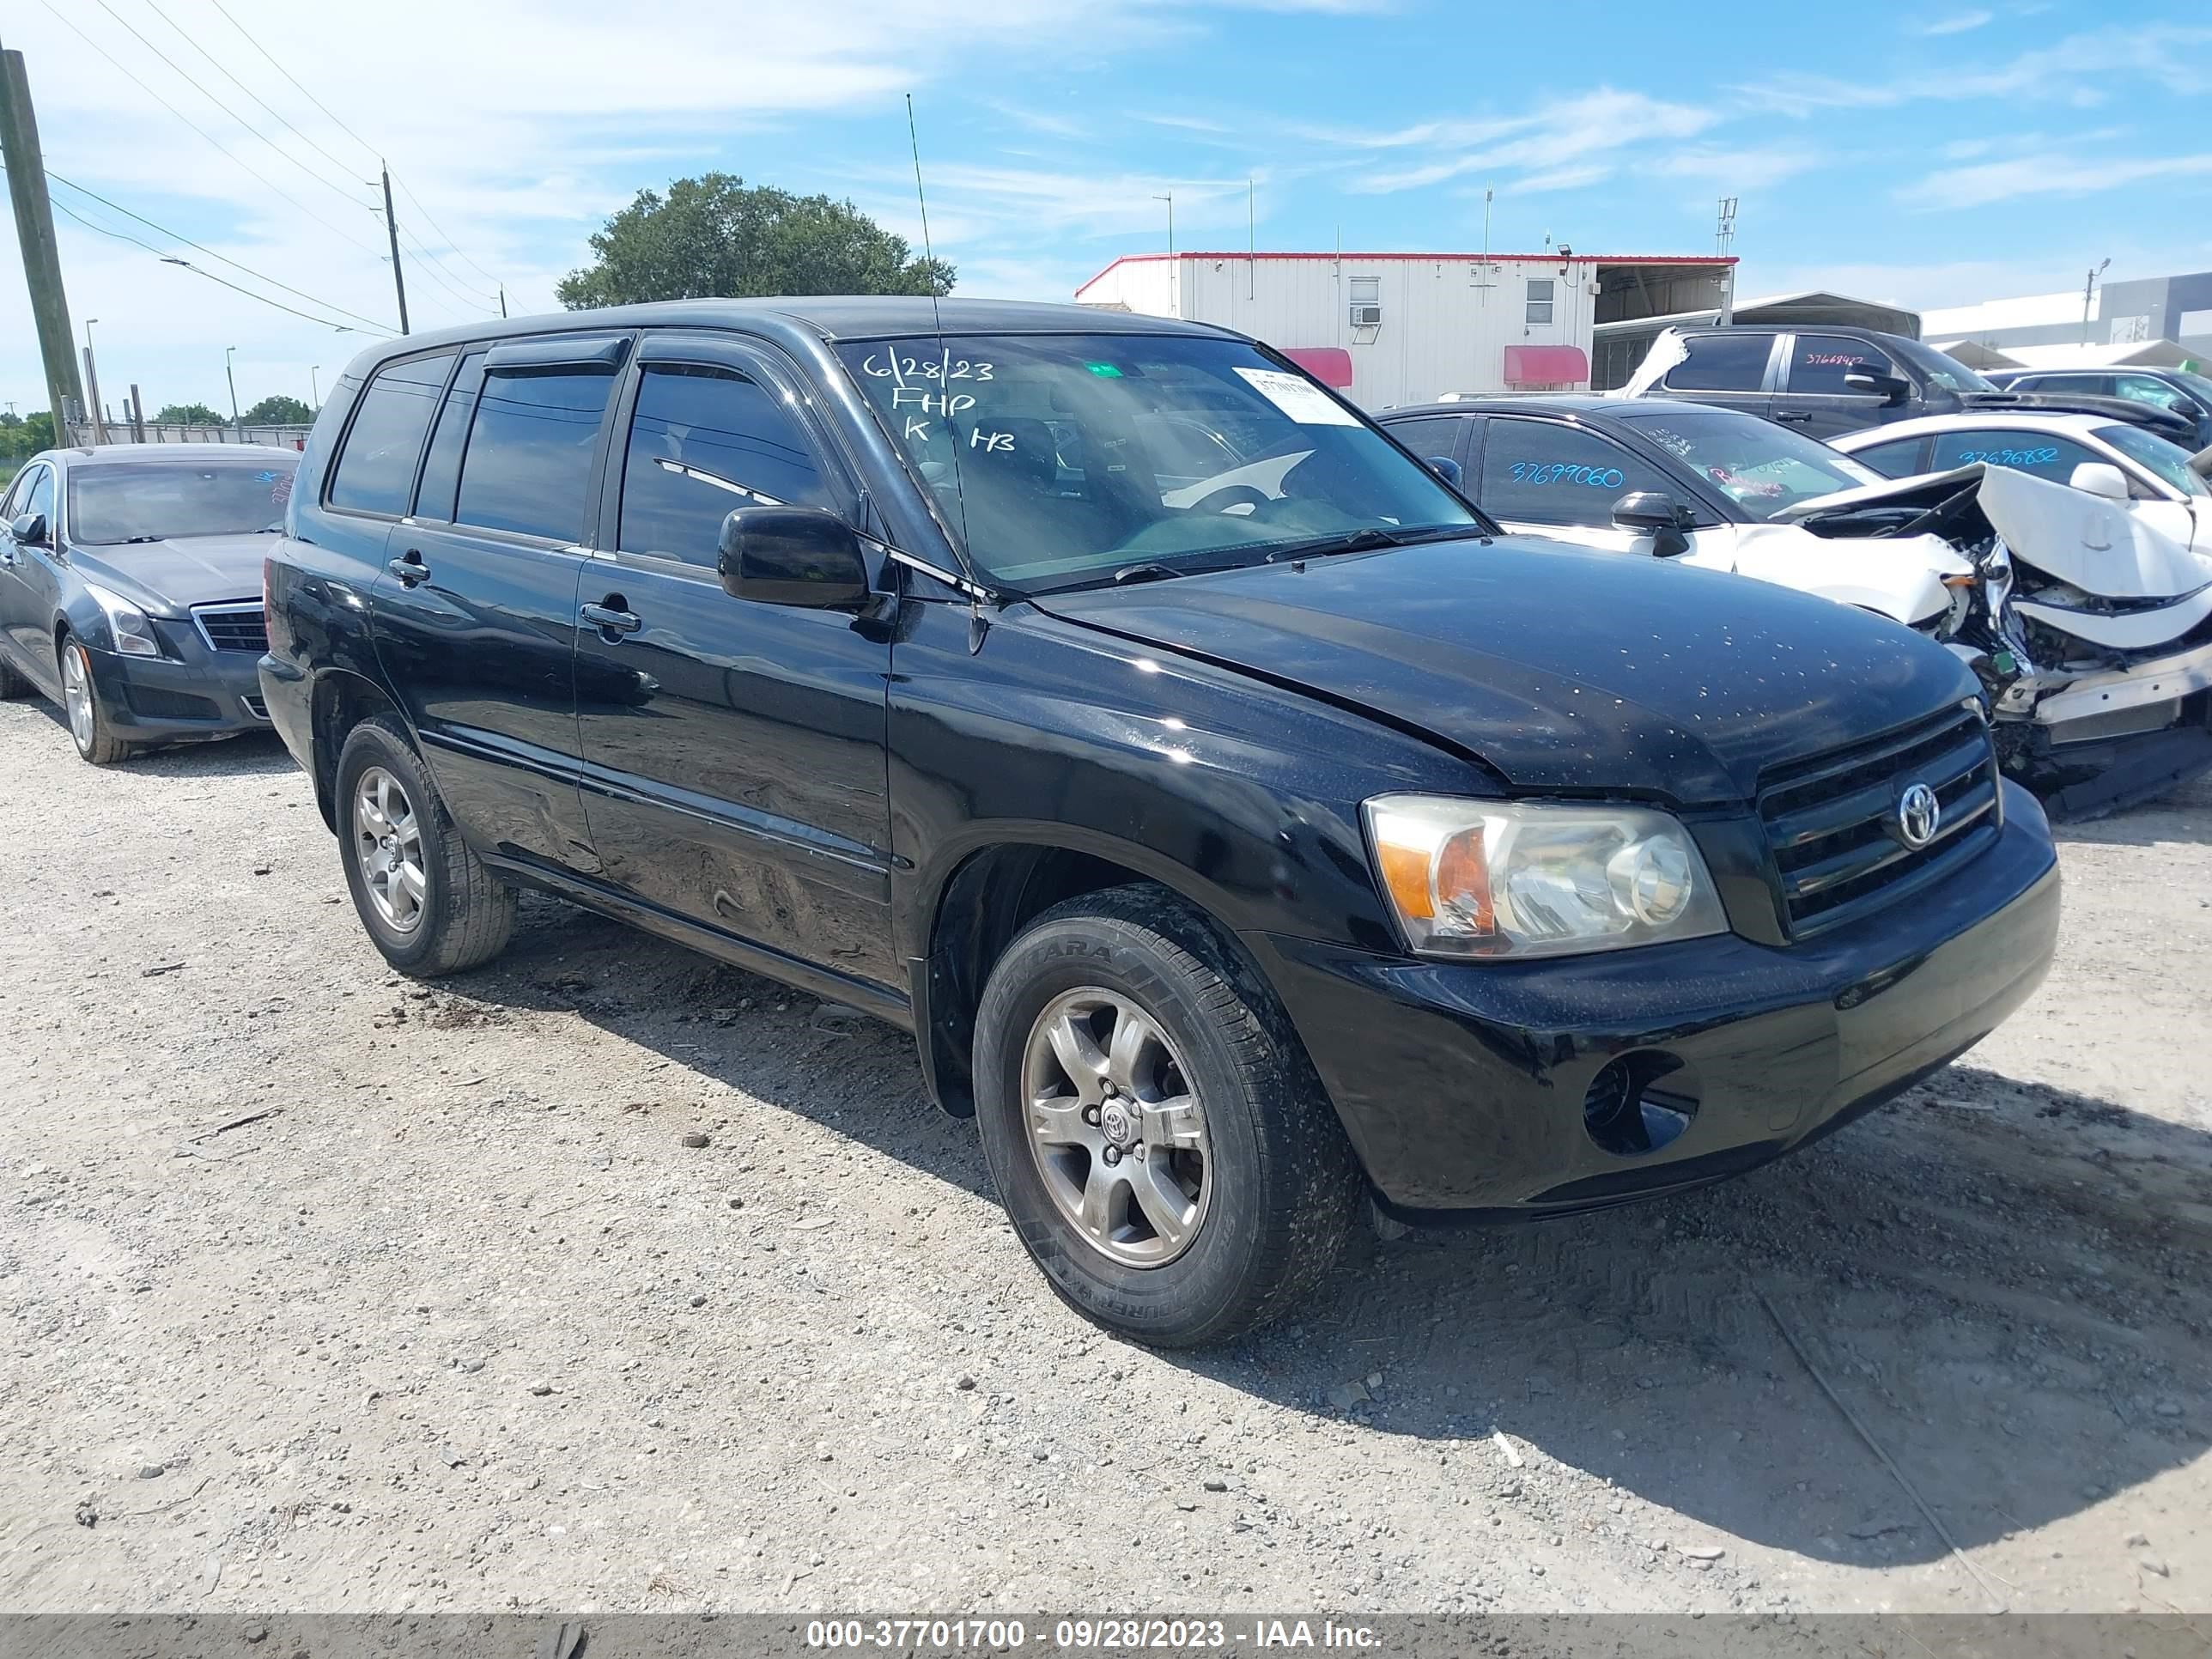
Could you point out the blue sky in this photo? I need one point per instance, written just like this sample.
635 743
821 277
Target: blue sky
1928 153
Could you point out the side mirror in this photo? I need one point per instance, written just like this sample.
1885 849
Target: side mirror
2100 478
799 556
29 528
2188 408
1653 512
1445 468
1874 384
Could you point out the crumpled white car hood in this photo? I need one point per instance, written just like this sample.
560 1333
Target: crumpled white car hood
2084 540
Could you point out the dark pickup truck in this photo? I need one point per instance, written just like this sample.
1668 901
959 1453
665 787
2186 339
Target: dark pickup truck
1826 381
1236 846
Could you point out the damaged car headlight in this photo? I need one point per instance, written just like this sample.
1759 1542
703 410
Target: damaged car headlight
1530 878
127 626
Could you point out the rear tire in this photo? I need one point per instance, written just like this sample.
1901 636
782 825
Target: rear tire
1123 1015
430 905
95 739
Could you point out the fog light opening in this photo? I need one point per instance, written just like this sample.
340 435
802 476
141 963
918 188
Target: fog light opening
1627 1115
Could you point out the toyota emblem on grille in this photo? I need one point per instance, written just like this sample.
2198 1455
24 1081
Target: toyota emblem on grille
1918 813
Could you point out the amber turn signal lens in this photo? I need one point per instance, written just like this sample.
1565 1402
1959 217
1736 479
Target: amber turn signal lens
1405 872
1463 882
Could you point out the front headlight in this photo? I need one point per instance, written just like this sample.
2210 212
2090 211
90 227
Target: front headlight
127 625
1532 878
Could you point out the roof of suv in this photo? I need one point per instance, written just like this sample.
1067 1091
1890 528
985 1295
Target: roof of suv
829 317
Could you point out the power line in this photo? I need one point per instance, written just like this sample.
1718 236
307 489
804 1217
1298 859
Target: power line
343 166
319 179
416 242
443 232
430 269
288 75
205 134
172 260
332 115
197 247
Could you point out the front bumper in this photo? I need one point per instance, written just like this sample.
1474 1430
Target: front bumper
1463 1084
208 695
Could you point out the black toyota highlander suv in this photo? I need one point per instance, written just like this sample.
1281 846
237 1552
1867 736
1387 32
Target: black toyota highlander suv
1235 845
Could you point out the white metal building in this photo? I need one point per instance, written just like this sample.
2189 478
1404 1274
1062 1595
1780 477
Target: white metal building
1392 329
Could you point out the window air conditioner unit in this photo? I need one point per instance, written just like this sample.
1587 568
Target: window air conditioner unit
1366 316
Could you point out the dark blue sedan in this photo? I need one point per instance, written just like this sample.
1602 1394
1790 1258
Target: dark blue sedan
131 589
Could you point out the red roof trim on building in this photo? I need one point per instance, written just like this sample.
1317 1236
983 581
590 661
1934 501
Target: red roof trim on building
1711 259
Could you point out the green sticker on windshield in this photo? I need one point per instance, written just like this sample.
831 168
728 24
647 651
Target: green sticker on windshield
1106 370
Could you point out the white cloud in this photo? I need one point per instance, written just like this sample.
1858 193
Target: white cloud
2177 57
1543 142
2049 173
1957 23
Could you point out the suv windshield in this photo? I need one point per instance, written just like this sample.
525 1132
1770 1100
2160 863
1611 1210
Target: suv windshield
2169 460
145 501
1061 460
1757 465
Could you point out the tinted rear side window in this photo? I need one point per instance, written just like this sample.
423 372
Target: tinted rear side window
529 458
376 470
442 469
1430 436
1894 460
1546 472
1723 363
2045 454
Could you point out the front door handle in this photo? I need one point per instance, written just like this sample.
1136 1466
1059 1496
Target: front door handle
610 618
410 569
1792 420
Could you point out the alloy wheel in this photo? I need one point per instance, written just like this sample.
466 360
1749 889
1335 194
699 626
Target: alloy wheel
387 843
76 695
1116 1126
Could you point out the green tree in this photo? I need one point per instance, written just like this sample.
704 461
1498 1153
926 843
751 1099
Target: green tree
279 411
188 415
717 237
23 436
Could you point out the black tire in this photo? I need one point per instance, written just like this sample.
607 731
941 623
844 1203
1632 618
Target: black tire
1285 1187
96 742
465 914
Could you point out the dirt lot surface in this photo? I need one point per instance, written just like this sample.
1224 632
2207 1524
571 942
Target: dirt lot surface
463 1323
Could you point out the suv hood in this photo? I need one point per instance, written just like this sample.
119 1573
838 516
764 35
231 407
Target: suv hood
1563 669
167 578
2166 423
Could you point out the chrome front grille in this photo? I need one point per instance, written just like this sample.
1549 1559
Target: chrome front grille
1836 832
231 627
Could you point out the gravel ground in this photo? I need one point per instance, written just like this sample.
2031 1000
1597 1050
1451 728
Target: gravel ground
456 1313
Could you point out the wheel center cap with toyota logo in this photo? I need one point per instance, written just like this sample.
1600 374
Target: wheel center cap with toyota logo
1918 815
1117 1124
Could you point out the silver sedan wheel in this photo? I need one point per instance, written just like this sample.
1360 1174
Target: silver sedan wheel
387 843
1116 1126
76 695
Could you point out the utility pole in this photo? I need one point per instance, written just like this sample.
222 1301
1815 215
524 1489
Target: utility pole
2089 288
34 231
315 385
503 298
237 425
1170 199
392 229
137 414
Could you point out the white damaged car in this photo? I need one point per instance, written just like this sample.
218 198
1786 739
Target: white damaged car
2090 626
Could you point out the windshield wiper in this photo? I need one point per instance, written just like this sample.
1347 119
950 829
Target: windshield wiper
132 540
1150 571
1367 540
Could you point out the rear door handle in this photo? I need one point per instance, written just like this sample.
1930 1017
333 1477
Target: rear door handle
1791 420
410 569
610 618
